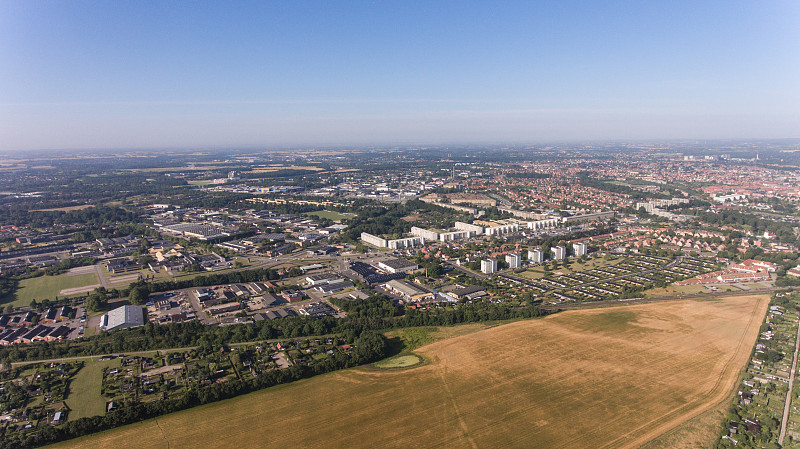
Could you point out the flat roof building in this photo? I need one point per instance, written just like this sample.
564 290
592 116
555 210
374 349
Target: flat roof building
124 317
397 266
408 290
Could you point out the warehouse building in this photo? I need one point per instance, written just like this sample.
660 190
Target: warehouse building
407 290
397 266
123 318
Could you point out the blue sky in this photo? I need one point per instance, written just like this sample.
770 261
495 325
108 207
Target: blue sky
140 74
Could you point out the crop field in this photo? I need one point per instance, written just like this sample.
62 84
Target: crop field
614 377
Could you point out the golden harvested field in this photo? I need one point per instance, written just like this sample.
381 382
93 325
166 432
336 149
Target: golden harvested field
614 377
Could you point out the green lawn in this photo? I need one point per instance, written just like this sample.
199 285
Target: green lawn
47 287
401 361
84 398
329 214
575 266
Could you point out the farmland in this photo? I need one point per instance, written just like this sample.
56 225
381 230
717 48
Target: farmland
587 378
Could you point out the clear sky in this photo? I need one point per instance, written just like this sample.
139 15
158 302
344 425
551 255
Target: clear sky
139 74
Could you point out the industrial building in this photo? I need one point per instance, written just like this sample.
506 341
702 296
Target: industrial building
122 318
200 231
407 290
397 266
323 279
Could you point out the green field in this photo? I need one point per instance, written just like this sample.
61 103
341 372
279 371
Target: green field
47 287
329 214
84 398
400 361
574 266
585 378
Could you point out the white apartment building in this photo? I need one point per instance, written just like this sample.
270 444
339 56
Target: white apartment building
514 260
559 252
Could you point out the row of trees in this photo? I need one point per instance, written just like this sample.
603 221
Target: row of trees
758 225
375 313
369 347
93 217
139 291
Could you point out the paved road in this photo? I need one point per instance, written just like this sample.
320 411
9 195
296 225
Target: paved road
87 357
466 271
100 276
786 407
117 354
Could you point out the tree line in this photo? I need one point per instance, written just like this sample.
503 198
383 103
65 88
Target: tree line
368 347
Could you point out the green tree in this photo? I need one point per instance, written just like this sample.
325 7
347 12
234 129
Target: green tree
96 301
138 295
